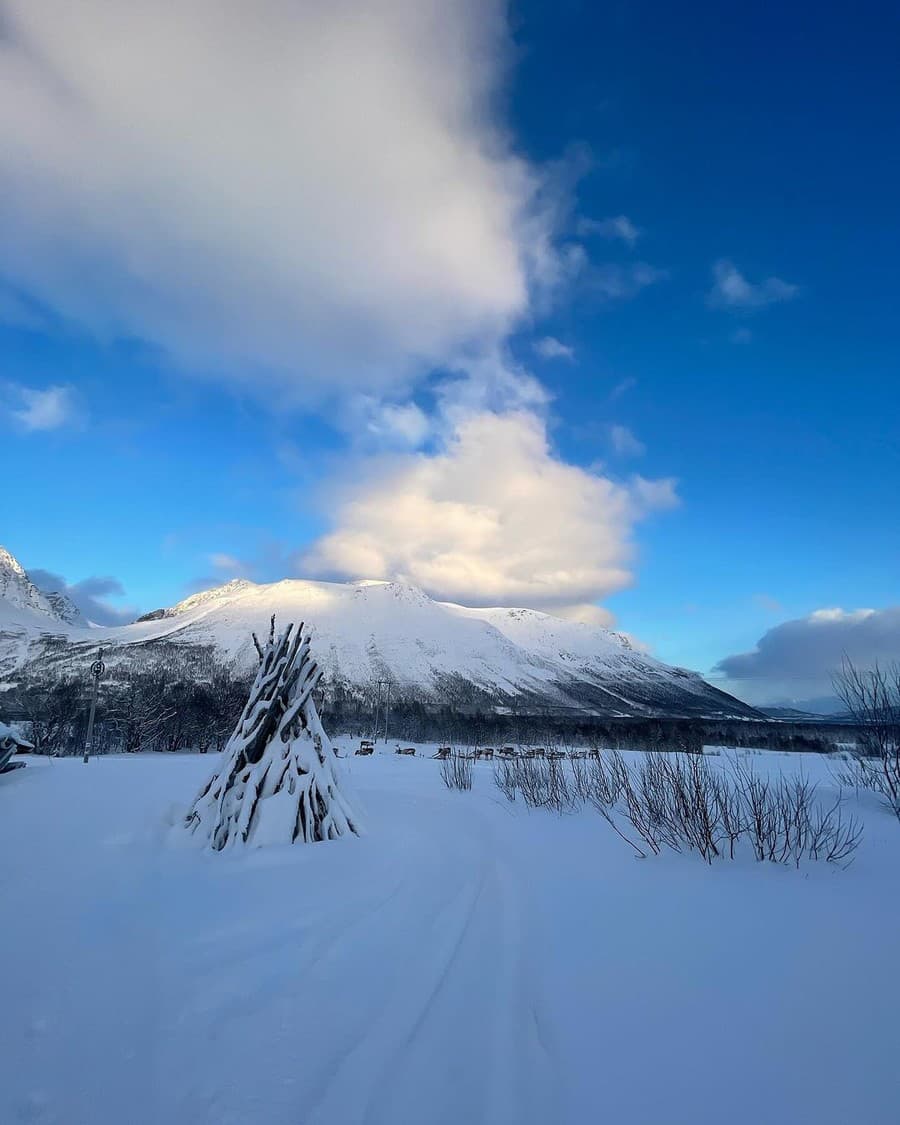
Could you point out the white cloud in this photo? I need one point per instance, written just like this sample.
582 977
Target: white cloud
227 563
494 519
35 410
373 422
318 199
492 383
732 290
799 658
587 614
618 227
403 422
315 194
90 596
548 347
624 443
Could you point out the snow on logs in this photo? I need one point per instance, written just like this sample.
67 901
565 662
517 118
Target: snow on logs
279 780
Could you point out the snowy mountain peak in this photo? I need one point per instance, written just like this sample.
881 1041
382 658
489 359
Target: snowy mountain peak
400 591
9 564
19 592
207 598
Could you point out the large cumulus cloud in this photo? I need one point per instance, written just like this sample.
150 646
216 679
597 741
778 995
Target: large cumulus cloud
320 199
495 518
318 192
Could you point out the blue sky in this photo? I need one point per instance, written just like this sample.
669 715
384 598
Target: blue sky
683 233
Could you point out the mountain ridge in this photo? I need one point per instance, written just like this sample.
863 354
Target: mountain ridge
370 632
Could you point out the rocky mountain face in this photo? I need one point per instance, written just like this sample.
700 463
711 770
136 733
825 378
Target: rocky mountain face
366 636
18 593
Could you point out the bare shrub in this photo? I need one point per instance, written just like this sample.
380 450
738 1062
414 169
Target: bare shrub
832 836
505 777
456 771
531 775
754 796
732 814
785 822
678 802
581 778
560 791
542 782
607 775
873 699
673 801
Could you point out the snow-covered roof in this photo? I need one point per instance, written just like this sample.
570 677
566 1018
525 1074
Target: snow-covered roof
9 735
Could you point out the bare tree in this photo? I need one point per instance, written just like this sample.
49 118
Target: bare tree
872 696
54 711
139 713
279 780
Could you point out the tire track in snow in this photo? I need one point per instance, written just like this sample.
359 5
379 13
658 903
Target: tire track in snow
413 1001
462 1041
378 1041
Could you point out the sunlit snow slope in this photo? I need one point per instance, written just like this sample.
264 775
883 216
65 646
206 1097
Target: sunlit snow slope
365 632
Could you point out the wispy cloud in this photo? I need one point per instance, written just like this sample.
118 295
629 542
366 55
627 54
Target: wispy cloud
375 423
624 443
731 290
548 347
622 387
619 227
227 564
34 410
613 281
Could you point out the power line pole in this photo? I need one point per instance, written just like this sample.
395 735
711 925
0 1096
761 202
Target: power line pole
383 704
377 705
97 670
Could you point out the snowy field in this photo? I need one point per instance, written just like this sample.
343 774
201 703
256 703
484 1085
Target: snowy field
467 961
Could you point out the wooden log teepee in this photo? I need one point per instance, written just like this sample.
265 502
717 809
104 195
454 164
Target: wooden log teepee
278 781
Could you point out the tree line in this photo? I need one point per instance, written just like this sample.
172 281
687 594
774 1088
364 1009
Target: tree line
150 710
174 707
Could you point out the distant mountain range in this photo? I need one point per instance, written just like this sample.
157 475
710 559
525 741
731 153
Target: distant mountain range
366 633
823 707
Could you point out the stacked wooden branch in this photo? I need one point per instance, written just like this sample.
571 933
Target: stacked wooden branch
278 781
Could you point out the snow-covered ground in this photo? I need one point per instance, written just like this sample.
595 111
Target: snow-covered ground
467 961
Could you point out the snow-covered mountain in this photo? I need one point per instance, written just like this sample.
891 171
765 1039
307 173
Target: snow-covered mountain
366 632
27 613
18 593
